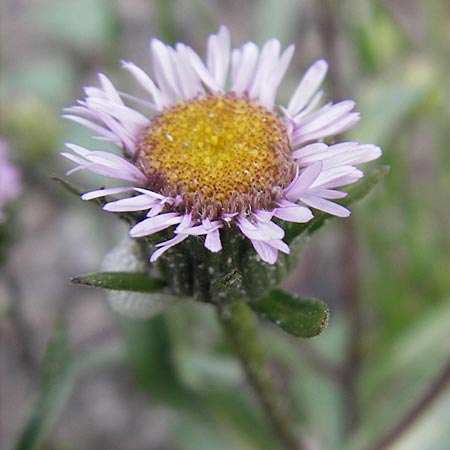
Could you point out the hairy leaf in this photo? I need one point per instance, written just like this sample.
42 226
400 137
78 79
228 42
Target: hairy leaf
297 316
120 281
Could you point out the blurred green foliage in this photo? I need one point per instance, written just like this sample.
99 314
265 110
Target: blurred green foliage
398 60
57 380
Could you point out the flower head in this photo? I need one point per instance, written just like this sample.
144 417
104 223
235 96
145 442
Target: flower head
9 179
210 149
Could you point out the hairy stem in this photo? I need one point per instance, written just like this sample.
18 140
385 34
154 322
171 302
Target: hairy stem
240 328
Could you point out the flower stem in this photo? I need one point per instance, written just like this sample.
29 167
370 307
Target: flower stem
428 397
241 330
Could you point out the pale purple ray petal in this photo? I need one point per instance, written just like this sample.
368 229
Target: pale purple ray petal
202 71
93 126
263 215
341 124
241 219
346 153
309 108
218 55
124 114
147 83
109 89
259 230
244 65
185 223
325 116
187 78
157 209
303 181
163 68
337 176
149 193
155 224
140 101
349 153
104 192
166 245
212 241
325 205
201 229
307 87
209 226
269 89
267 60
106 164
294 213
124 137
309 150
136 203
279 245
119 135
266 252
343 180
329 194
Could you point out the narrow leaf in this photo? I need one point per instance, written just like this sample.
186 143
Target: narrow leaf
120 281
149 351
67 186
55 387
297 316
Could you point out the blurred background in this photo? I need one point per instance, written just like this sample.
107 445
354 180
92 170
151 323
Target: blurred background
169 382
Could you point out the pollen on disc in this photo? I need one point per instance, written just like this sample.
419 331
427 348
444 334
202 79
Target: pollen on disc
219 153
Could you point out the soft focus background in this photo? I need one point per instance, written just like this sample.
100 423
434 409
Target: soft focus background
171 383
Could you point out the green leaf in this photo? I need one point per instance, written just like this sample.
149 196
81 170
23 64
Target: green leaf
239 415
297 316
203 432
199 368
67 186
225 419
355 192
54 390
120 281
149 350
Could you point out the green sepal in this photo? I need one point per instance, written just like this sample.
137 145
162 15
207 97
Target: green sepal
355 192
297 316
120 281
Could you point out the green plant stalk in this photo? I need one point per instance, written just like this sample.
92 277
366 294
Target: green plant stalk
240 327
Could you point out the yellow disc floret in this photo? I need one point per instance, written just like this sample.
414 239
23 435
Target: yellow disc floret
218 153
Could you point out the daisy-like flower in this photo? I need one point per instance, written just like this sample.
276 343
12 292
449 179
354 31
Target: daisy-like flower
210 149
9 179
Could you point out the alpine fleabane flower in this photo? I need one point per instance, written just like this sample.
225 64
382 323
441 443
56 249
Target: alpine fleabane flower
210 149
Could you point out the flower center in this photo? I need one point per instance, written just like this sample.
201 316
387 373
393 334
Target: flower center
218 153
